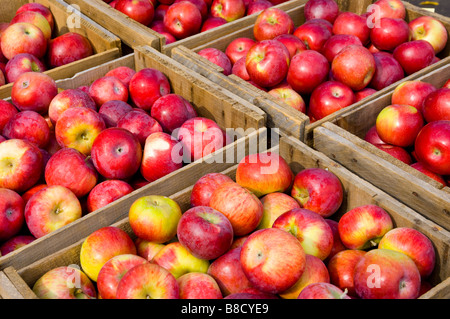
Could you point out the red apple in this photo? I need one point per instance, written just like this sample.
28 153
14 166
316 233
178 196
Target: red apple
421 168
146 86
112 111
398 152
204 187
107 192
322 290
12 216
201 5
394 9
147 249
274 205
68 47
160 12
429 29
229 10
337 243
123 73
292 43
324 23
257 6
40 8
271 23
336 43
217 57
212 22
23 37
353 24
141 124
290 97
108 88
15 243
329 97
240 69
412 93
22 63
321 9
362 94
183 19
313 35
389 34
196 285
141 11
66 99
36 19
238 48
436 106
387 71
8 111
414 55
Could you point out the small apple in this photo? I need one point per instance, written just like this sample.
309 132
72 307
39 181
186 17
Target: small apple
67 48
330 97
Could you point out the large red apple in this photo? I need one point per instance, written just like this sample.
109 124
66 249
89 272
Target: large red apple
414 55
141 124
146 86
229 10
412 93
387 71
271 23
336 43
429 29
354 24
436 106
108 88
22 63
141 11
201 5
12 216
313 35
292 43
217 57
183 19
107 192
329 97
67 48
23 37
197 285
321 9
389 34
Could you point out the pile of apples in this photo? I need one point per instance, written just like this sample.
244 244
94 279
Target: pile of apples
268 234
335 58
66 153
415 128
177 21
27 45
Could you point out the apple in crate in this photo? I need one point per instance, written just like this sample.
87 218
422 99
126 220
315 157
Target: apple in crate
337 243
205 186
390 9
183 19
313 35
389 34
238 48
386 274
23 37
15 242
201 5
217 57
387 71
22 63
8 111
64 282
67 99
271 23
363 227
146 86
39 8
429 29
108 88
147 249
421 168
274 205
436 106
112 111
353 24
412 93
292 43
141 124
330 97
12 216
321 9
240 70
398 152
290 97
229 10
68 47
141 11
107 192
212 22
414 55
36 19
322 290
197 285
336 43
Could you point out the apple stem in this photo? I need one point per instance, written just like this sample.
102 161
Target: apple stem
344 294
373 243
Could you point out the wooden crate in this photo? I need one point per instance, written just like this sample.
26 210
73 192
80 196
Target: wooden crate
206 99
357 192
106 45
343 140
280 114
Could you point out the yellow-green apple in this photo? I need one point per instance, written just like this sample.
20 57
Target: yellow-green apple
113 271
337 243
315 271
12 216
307 70
421 168
175 258
290 97
341 269
229 10
66 99
239 205
240 69
432 147
123 73
146 86
363 227
292 43
8 111
318 190
274 205
414 244
205 186
141 124
228 272
148 281
217 57
22 63
336 43
197 285
362 94
330 97
78 128
389 34
72 169
389 9
414 55
387 71
68 47
15 242
171 111
33 91
321 9
257 6
436 106
412 92
162 155
398 152
102 245
264 173
36 19
205 232
313 35
354 66
429 29
354 24
267 62
271 23
29 126
386 274
23 37
154 218
272 259
108 88
40 8
50 209
147 249
112 111
64 282
399 124
183 19
322 290
212 22
141 11
21 165
107 192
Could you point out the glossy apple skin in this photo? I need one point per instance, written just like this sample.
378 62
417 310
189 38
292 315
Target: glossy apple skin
23 37
363 227
272 259
108 88
387 71
258 6
8 111
67 48
196 285
313 35
432 147
398 152
22 63
217 57
107 192
12 216
397 276
389 34
36 19
40 8
399 124
412 93
201 5
15 242
330 97
183 19
292 43
212 22
139 123
162 155
307 70
336 43
275 204
69 98
436 106
239 205
414 55
50 209
70 168
205 186
429 29
318 190
315 271
354 24
33 91
116 153
146 86
58 283
205 232
26 168
322 290
112 111
113 271
102 245
229 10
264 173
290 97
141 11
414 244
421 168
394 9
341 269
123 73
321 9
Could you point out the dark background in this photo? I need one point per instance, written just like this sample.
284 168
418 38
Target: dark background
442 8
